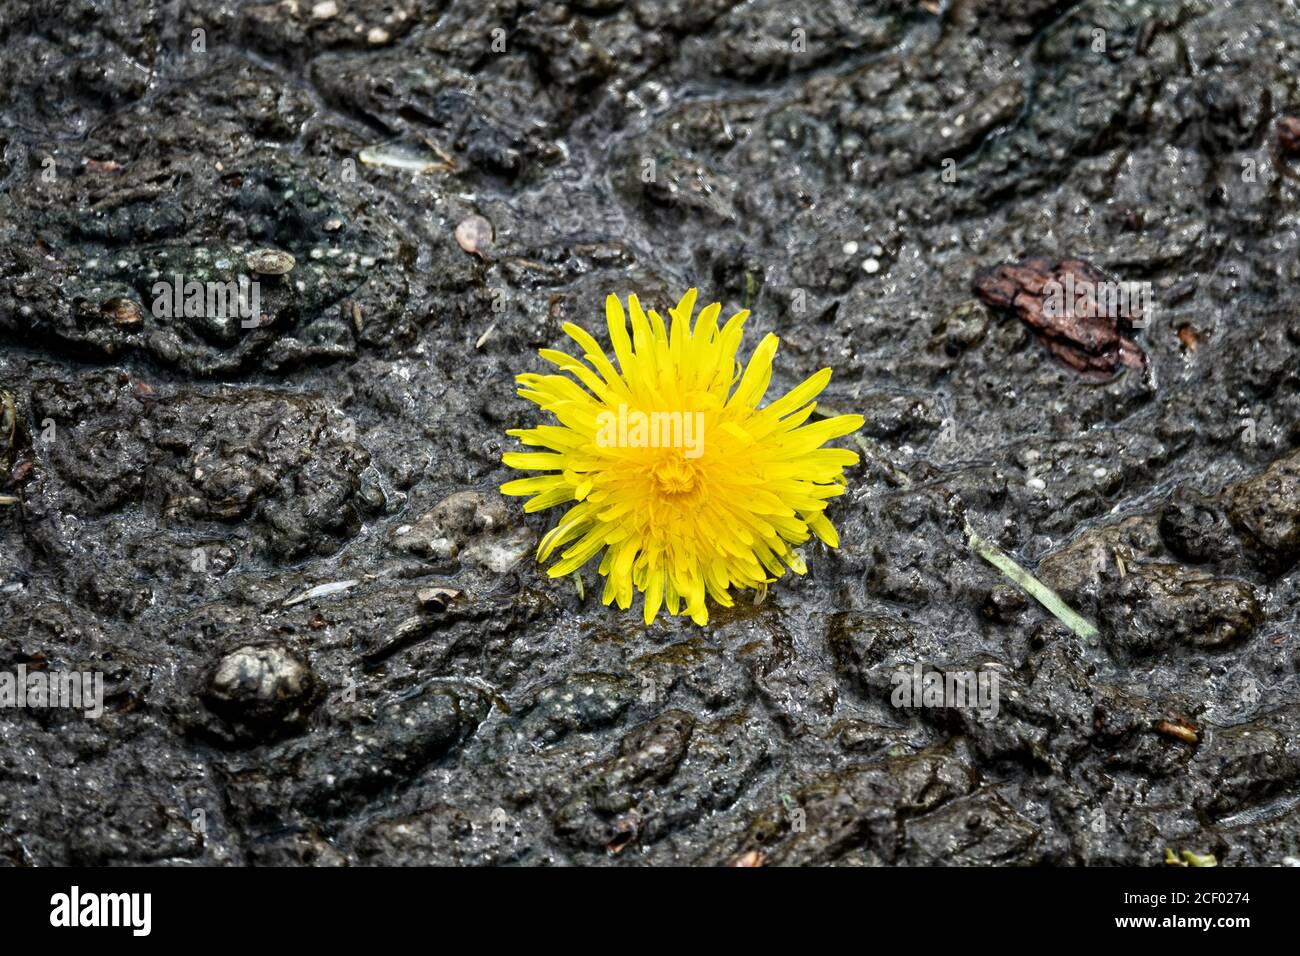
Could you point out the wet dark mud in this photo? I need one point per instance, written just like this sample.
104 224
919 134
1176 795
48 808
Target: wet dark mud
322 634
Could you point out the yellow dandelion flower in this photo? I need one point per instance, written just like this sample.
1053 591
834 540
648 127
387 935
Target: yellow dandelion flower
674 472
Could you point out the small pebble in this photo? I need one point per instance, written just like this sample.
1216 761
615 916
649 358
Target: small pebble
474 235
435 598
263 684
1037 484
124 312
871 266
270 262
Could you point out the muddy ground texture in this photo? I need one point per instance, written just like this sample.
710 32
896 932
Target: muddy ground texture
180 484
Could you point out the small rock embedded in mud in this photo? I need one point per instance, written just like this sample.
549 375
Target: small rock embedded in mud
474 235
436 599
270 262
1265 511
1060 303
124 312
264 686
1003 603
466 527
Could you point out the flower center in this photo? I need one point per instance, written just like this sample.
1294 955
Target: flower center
673 474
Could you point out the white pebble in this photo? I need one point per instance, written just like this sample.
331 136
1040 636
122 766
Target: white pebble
850 248
1037 484
870 266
